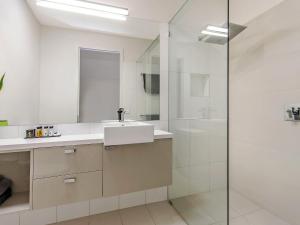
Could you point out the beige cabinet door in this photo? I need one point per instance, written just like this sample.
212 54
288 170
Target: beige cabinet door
48 192
130 168
57 161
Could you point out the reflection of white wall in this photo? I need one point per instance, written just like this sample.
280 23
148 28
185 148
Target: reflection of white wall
60 70
19 58
99 85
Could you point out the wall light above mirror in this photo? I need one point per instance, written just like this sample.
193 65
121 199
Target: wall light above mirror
86 8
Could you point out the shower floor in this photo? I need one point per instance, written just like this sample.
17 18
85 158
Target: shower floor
210 209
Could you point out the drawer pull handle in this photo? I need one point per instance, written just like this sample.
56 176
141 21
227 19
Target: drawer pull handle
70 151
108 148
70 180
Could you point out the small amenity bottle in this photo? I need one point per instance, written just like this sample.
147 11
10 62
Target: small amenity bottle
46 131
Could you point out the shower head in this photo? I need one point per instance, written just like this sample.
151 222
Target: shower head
220 34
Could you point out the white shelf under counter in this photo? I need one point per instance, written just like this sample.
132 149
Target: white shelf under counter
16 166
18 202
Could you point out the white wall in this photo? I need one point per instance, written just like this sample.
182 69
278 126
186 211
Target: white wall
60 70
19 58
264 77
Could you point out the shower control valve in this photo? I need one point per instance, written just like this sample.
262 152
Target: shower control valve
295 112
292 112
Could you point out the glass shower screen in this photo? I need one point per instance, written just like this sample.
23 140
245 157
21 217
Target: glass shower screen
198 60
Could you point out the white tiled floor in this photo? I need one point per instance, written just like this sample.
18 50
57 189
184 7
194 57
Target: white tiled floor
160 213
210 209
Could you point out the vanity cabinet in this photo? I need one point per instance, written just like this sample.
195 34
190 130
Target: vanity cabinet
137 167
63 175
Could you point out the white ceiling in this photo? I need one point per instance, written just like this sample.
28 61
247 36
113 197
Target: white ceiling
144 19
241 12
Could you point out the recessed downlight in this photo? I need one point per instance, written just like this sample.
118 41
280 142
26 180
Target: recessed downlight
86 8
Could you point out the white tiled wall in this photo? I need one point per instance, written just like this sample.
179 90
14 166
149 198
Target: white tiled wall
199 156
72 211
132 199
69 129
156 195
82 209
103 205
38 217
10 219
264 77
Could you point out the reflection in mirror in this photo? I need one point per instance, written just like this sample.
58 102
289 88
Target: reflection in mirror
99 78
148 69
47 82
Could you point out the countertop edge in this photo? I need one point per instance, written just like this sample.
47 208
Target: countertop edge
21 145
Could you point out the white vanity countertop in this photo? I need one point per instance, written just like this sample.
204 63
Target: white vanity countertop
21 144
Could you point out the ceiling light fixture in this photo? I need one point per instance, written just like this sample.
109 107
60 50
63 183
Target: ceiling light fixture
86 8
217 29
214 33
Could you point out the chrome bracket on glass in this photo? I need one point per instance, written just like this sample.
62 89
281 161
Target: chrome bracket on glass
292 112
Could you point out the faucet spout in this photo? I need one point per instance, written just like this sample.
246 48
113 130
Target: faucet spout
121 113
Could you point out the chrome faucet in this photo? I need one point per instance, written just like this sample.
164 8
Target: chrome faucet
121 113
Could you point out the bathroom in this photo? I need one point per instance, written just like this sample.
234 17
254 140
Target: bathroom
148 112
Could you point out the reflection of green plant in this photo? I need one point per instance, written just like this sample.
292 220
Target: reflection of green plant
2 81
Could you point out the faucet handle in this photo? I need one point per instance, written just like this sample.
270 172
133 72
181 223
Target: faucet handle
121 113
121 110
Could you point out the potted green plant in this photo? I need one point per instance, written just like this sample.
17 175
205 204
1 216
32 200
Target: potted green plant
2 122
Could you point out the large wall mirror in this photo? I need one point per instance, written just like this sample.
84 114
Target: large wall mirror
63 70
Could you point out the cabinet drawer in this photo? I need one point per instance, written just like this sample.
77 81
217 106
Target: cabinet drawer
48 192
58 161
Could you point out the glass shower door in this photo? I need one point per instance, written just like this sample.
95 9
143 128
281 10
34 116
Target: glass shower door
198 111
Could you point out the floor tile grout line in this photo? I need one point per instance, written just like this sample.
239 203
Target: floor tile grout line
120 215
251 212
150 214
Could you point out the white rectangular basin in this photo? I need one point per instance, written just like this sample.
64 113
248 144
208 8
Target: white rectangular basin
122 133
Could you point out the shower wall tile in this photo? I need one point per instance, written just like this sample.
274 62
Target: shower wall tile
264 77
179 187
199 179
218 175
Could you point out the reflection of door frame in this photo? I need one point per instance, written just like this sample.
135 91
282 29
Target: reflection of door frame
116 51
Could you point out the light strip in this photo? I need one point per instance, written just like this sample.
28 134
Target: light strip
86 8
217 29
214 33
